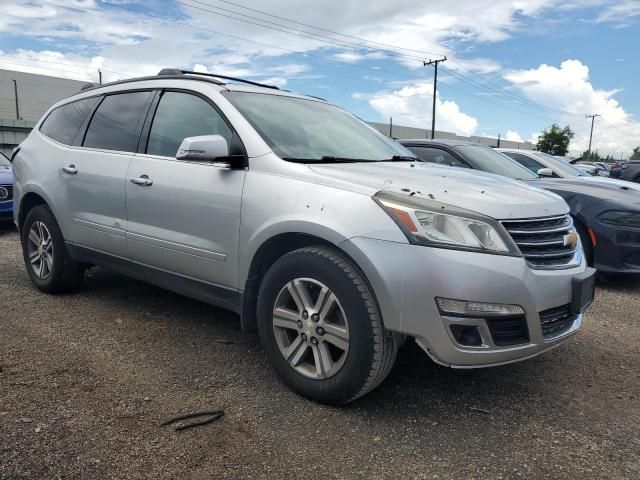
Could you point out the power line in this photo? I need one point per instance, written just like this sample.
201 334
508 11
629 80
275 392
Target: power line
527 103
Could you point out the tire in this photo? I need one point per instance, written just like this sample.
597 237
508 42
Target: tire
61 273
586 243
371 350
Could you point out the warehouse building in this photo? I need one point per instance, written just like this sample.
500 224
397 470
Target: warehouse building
24 97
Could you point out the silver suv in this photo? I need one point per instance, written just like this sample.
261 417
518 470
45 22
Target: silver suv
326 236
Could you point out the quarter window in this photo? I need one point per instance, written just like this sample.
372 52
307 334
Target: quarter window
181 115
436 155
63 123
117 123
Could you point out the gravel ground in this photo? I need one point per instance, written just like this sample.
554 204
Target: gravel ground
86 379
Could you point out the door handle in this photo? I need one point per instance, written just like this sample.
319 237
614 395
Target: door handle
142 180
71 170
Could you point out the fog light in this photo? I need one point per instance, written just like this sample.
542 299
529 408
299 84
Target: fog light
466 335
461 308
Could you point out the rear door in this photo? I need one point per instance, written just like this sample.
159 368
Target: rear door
183 216
94 172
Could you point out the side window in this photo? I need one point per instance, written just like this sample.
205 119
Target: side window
63 123
180 115
435 155
525 161
117 123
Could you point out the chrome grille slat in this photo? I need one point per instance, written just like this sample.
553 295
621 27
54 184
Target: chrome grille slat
542 241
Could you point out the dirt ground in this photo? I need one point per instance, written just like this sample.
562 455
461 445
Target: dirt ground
86 379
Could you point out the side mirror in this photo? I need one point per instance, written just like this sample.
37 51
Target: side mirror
205 148
545 172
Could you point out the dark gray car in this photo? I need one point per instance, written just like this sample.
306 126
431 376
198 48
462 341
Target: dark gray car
606 213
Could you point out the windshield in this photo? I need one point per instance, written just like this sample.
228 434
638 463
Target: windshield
303 130
489 160
561 167
4 161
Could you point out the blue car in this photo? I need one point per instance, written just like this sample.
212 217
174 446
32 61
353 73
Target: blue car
6 189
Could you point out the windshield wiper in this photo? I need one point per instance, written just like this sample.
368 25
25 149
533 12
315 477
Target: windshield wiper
331 158
400 158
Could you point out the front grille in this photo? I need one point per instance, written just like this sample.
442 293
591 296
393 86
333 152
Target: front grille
545 242
556 321
6 193
511 330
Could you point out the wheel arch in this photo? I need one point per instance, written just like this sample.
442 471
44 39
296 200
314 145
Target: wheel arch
29 201
266 255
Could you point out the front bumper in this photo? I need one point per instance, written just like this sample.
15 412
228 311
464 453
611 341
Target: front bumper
617 249
407 278
6 210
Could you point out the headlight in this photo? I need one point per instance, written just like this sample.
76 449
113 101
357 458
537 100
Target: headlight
435 224
621 219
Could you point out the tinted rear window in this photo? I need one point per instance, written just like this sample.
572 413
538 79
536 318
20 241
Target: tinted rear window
63 123
117 123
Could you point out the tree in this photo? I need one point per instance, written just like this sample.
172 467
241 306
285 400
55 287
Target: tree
591 156
555 140
636 154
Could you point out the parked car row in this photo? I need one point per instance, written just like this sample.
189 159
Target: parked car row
627 170
333 241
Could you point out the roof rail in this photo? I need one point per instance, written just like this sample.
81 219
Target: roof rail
177 71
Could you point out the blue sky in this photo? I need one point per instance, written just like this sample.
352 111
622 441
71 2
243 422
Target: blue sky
514 66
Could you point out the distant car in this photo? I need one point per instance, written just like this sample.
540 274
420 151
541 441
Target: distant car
594 168
6 189
547 165
606 213
587 167
626 170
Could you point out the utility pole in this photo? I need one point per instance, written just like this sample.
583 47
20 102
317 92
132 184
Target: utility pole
15 93
498 140
99 76
435 82
593 117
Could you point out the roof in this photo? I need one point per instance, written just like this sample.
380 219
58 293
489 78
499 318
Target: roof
232 83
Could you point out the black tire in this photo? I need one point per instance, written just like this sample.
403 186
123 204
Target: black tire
66 274
587 245
372 350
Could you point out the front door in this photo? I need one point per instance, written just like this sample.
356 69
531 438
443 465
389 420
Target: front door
184 217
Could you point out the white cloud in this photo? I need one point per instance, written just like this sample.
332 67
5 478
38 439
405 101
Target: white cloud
513 136
569 89
620 12
411 106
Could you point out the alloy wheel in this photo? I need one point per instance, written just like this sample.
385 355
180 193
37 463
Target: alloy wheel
40 249
311 328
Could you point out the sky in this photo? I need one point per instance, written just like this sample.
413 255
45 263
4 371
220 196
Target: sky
513 67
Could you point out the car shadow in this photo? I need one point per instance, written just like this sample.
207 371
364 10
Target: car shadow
7 226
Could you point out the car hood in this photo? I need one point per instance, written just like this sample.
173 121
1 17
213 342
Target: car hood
613 182
581 193
6 176
484 193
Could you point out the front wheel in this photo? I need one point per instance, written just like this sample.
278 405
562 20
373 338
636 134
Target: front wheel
320 326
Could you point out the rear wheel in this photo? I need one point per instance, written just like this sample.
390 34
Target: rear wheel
320 326
48 263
